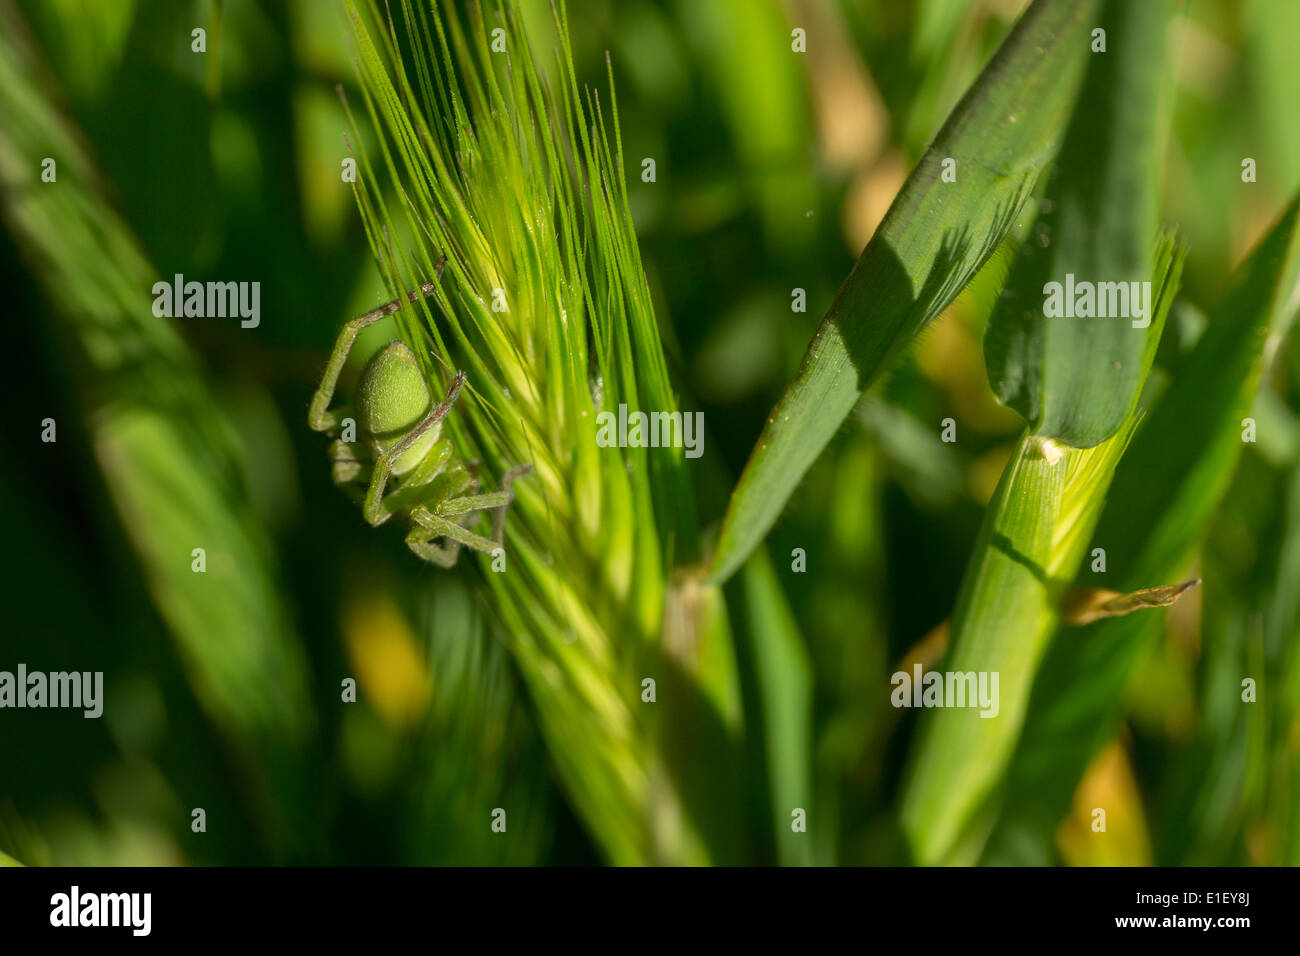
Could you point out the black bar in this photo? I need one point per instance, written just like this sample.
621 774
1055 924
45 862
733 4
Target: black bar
333 906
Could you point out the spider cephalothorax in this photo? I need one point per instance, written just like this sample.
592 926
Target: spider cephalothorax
401 463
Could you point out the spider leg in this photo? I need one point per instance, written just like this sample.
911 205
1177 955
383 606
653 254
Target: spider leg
421 541
319 418
498 500
376 512
348 468
507 486
427 527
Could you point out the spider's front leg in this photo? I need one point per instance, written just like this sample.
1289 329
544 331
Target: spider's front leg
319 417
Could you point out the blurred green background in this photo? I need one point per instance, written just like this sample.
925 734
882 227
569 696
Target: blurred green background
772 172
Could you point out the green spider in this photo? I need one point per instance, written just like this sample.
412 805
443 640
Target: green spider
400 442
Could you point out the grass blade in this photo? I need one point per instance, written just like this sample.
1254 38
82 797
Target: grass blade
785 683
1037 526
1164 493
1074 378
1030 544
934 239
1282 622
1030 548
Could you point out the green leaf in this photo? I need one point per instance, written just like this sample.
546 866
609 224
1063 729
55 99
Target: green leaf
1029 546
1282 643
785 685
1076 377
1164 493
698 721
934 239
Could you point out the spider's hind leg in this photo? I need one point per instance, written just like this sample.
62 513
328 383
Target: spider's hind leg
422 541
499 501
445 517
507 486
427 527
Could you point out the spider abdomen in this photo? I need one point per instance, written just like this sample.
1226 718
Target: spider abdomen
392 398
